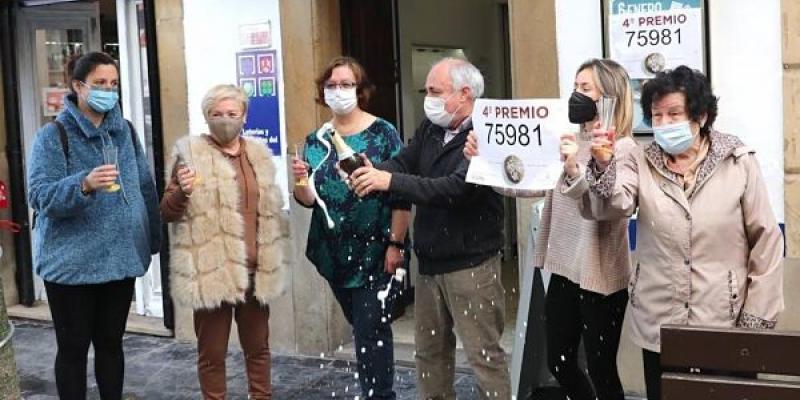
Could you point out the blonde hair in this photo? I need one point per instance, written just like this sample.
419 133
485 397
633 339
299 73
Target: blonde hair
611 79
219 93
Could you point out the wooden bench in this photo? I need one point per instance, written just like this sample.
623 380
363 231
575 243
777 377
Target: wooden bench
704 353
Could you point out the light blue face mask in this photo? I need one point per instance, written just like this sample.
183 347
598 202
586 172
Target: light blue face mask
674 138
100 99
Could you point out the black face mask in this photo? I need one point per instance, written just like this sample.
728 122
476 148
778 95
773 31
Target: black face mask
581 108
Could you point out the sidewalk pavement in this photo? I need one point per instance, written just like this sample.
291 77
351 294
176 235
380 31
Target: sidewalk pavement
160 368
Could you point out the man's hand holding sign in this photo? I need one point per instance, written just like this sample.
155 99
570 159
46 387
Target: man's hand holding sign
520 143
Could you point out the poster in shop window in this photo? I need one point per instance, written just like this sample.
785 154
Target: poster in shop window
650 36
518 143
53 101
257 72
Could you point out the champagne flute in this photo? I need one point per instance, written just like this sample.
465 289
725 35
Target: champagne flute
299 152
606 106
110 158
188 161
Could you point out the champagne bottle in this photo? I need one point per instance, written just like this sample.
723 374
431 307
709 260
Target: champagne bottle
349 161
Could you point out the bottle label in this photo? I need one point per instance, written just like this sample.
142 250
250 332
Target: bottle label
342 149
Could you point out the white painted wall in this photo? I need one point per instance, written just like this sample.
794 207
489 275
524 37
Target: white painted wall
212 40
578 36
747 75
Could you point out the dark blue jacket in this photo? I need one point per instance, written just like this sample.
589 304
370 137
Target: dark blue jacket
458 225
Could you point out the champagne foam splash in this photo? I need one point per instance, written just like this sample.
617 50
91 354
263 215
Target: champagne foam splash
320 136
383 294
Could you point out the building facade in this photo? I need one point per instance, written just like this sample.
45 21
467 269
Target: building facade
171 51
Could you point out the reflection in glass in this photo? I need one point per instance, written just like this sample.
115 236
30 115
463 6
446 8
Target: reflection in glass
54 49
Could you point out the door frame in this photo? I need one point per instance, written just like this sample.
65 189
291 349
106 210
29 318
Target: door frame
352 45
149 289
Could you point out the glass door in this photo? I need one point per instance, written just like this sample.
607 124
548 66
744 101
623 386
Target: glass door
49 37
54 49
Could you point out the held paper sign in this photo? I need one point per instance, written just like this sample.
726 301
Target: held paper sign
647 36
518 143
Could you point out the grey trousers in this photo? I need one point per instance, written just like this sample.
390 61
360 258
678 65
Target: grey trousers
473 302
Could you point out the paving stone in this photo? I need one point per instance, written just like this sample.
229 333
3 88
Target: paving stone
158 368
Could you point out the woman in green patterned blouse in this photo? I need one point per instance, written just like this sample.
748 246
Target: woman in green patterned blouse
361 252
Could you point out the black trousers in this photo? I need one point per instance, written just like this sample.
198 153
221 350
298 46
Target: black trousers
374 342
652 374
572 313
90 314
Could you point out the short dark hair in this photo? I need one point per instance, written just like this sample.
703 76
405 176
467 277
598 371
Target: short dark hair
695 87
80 68
363 91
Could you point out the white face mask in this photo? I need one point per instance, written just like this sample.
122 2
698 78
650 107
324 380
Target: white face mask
436 112
674 138
341 101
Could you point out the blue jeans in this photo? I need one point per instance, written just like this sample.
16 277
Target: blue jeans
372 330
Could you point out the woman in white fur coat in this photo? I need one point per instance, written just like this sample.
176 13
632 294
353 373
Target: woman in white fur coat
227 240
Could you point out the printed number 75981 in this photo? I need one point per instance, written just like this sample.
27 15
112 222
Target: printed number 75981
510 134
653 37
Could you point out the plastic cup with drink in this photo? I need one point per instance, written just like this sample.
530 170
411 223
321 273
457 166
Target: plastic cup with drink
110 158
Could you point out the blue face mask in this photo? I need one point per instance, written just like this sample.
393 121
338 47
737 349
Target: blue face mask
102 100
674 138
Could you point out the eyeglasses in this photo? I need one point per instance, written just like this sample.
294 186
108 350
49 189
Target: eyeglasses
340 85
